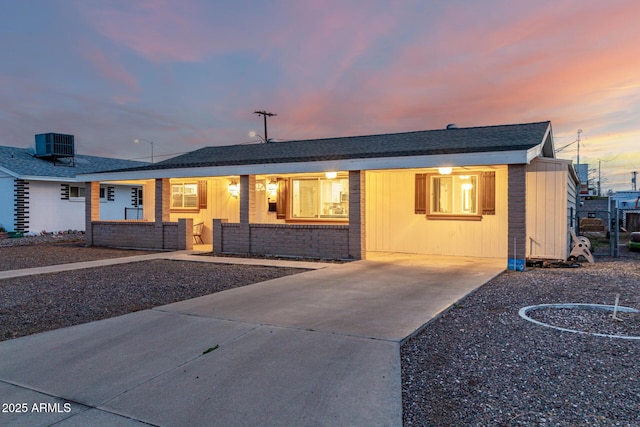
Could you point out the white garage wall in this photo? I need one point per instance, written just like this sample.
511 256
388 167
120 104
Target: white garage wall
392 224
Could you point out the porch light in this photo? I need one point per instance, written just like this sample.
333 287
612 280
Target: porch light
272 187
331 175
445 171
234 189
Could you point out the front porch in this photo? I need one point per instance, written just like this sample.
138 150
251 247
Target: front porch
310 215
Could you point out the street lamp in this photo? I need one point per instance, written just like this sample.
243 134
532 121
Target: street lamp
253 134
137 141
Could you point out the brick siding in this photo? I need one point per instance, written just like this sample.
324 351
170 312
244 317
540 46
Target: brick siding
517 206
296 240
144 234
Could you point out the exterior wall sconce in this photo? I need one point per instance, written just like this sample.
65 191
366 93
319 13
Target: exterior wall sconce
331 175
445 171
272 187
234 189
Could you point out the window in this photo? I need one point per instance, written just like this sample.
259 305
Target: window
184 196
102 192
188 195
453 194
320 199
76 191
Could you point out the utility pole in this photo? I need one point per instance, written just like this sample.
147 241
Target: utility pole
265 114
633 180
579 132
599 177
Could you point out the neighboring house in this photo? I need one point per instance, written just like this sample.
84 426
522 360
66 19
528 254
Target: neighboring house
494 191
41 192
628 203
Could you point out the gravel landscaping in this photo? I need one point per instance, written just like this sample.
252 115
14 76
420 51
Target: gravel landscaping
49 301
481 364
52 249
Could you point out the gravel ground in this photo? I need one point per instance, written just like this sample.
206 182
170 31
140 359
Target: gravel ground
51 249
49 301
481 364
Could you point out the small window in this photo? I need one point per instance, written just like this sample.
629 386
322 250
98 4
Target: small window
454 194
76 191
102 192
184 196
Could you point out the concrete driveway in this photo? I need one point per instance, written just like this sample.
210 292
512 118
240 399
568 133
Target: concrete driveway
317 348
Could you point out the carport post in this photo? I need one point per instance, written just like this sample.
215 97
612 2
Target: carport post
92 209
357 215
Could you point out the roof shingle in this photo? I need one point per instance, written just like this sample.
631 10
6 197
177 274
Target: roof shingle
22 163
429 142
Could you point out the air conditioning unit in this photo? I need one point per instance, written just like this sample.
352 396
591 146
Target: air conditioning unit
54 145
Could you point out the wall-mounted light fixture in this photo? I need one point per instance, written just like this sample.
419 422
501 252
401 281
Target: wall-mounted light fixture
331 175
272 187
234 189
445 171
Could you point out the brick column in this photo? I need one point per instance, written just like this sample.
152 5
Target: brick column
162 207
92 209
185 234
218 238
247 199
247 211
357 215
517 219
163 196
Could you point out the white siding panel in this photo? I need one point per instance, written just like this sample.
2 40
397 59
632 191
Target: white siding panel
6 207
393 226
547 209
47 212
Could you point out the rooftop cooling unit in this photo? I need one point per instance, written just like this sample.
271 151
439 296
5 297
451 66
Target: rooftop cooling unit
54 145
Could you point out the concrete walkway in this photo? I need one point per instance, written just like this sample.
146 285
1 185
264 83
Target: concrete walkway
317 348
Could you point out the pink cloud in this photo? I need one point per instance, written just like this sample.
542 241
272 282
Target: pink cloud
157 29
112 70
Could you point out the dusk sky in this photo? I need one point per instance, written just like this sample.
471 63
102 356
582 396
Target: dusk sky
188 74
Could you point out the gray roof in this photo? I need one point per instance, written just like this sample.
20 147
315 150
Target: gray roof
429 142
20 162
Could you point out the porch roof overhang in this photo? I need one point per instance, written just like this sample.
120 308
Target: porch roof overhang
377 163
38 177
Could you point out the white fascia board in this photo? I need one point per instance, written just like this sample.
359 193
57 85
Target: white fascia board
49 178
9 172
534 153
466 159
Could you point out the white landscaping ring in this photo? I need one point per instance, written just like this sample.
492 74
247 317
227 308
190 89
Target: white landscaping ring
523 313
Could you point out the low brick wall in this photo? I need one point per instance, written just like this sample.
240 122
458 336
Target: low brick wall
309 241
143 234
